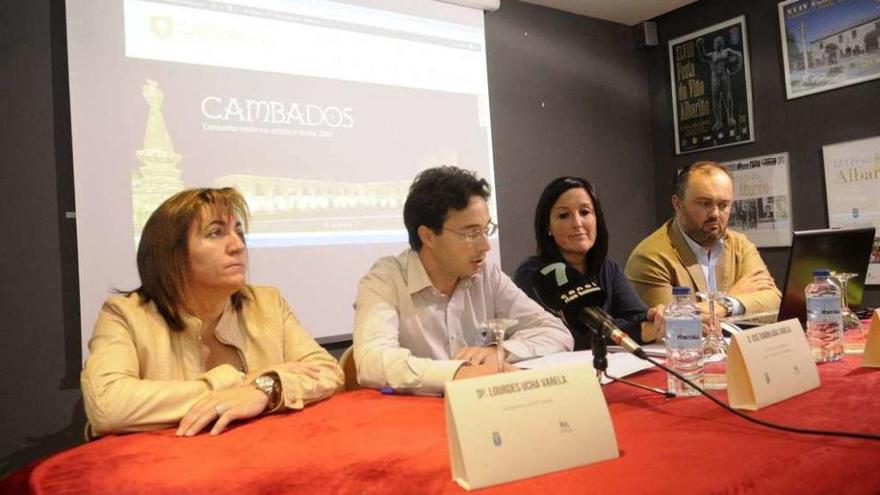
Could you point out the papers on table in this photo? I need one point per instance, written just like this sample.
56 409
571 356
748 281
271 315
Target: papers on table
657 349
620 364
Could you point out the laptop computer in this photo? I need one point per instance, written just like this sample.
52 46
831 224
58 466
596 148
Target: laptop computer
839 250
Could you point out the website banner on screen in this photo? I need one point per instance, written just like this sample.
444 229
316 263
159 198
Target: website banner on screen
320 112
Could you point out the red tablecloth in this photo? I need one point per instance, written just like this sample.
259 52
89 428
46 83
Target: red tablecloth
363 442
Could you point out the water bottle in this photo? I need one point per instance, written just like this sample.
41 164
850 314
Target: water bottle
684 342
824 322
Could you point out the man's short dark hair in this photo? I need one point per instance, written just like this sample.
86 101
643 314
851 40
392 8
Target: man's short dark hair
436 191
683 174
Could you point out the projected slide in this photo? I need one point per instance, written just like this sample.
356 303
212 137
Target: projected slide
310 143
320 112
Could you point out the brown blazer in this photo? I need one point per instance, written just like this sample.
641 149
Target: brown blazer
664 259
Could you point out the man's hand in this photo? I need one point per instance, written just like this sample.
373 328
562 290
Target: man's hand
756 281
224 406
471 371
478 355
720 311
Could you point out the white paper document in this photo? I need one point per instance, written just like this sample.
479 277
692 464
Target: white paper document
619 364
657 349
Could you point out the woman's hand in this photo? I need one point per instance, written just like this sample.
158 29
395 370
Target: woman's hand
310 370
224 406
653 328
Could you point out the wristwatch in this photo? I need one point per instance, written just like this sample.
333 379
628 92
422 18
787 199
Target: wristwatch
727 304
268 384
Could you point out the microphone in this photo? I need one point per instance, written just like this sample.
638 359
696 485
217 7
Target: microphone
596 318
578 301
562 290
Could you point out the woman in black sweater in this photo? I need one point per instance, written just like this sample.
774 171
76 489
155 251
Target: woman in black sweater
570 228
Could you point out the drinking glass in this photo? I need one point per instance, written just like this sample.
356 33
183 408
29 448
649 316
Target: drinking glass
498 326
714 346
854 336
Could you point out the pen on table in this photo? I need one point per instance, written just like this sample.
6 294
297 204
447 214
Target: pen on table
408 391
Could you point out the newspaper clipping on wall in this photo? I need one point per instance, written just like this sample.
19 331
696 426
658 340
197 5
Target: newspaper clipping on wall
852 189
711 87
761 199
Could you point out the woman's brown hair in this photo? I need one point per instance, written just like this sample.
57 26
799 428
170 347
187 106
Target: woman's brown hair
163 253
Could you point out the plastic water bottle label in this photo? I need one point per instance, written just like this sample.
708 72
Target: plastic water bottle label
823 305
684 334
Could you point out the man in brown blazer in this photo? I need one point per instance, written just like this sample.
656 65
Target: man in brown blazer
696 249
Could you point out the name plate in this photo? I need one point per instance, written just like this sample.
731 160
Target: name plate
872 345
769 364
515 425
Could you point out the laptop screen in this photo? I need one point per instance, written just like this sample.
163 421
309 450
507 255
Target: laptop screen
840 250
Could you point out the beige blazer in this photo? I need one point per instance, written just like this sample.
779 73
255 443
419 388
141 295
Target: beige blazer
141 375
664 259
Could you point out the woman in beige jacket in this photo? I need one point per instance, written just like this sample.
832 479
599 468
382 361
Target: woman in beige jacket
195 344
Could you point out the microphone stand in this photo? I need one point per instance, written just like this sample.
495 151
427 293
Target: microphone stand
600 353
600 363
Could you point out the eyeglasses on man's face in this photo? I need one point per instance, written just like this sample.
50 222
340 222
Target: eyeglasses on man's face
473 235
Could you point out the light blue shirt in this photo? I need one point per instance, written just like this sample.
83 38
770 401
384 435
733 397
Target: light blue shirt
708 259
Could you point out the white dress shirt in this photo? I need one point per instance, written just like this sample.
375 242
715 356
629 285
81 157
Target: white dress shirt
406 331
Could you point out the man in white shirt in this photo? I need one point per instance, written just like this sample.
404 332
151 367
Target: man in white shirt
421 316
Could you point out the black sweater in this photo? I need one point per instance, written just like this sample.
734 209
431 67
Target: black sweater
621 301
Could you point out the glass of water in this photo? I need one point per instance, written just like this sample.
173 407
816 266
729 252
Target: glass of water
498 326
854 336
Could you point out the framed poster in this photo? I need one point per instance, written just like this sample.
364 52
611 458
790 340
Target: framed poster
761 199
852 190
828 44
711 87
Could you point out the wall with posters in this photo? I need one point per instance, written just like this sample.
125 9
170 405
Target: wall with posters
799 127
569 97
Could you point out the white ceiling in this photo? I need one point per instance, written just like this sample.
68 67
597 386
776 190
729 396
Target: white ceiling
629 12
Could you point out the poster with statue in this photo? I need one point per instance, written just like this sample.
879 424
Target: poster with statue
829 44
711 87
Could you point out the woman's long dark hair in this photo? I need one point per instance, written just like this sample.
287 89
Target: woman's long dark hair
547 249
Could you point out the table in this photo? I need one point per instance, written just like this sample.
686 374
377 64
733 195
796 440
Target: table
363 442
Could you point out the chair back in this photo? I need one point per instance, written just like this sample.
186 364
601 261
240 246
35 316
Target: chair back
346 362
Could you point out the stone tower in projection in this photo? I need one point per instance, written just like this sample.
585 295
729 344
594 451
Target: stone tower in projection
158 176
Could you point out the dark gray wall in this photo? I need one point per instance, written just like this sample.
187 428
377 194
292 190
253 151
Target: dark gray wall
37 416
800 126
594 123
568 97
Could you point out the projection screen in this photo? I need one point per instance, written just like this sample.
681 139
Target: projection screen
320 112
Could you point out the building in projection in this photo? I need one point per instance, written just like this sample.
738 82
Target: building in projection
158 176
288 205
